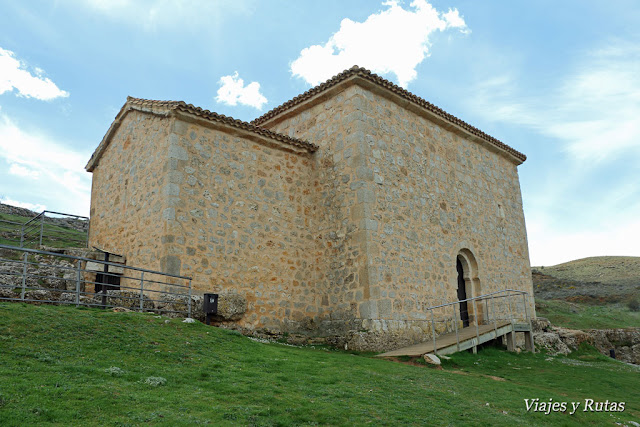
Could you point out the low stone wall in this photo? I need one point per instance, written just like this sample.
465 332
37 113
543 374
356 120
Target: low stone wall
53 279
168 305
625 342
557 340
58 273
353 334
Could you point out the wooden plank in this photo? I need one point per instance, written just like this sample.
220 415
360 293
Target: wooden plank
521 327
448 341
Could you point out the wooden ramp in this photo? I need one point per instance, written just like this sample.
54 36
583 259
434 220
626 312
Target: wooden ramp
466 338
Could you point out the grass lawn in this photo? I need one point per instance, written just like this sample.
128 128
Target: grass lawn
52 235
587 316
64 365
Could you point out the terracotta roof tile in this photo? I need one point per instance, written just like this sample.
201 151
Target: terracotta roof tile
210 115
164 108
372 77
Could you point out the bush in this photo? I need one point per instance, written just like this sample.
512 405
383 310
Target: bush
155 381
634 304
114 371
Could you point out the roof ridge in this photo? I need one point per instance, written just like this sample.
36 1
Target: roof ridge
213 116
367 74
309 93
144 101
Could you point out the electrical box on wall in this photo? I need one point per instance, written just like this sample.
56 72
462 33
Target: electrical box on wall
210 306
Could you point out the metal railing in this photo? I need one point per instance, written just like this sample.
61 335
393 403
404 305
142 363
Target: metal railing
48 227
32 230
37 276
508 305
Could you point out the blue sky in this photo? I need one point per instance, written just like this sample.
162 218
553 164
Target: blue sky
559 81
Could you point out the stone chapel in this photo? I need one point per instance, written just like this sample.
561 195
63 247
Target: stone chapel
344 212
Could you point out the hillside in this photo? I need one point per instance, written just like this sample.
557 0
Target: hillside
89 367
608 270
596 292
596 279
58 231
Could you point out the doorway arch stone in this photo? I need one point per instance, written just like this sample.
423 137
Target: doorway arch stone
472 284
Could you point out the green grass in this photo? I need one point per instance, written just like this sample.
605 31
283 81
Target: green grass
14 218
53 235
587 316
58 365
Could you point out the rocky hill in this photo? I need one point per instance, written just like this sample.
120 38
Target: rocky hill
611 270
15 210
11 212
605 279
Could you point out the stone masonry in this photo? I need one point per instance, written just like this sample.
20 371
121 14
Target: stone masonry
339 214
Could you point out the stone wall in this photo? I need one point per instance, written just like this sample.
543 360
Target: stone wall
558 340
404 197
437 193
353 241
128 193
240 220
342 282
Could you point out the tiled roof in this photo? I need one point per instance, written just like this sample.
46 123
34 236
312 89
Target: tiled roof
165 107
210 115
368 75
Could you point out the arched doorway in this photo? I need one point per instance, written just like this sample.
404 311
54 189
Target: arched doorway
468 286
462 295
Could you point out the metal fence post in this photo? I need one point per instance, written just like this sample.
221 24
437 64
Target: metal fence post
433 334
41 227
24 276
475 314
509 304
22 235
142 291
486 310
88 229
189 297
78 274
528 336
455 323
495 318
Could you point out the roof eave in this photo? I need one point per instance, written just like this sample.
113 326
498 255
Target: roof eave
264 138
188 111
390 91
163 111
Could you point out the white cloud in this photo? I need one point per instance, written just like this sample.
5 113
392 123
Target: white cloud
394 40
21 171
569 224
14 75
584 203
233 92
31 206
551 246
594 111
454 20
156 15
58 171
